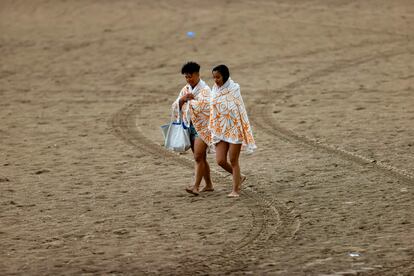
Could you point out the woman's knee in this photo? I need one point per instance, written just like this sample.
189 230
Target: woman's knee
234 154
234 161
221 161
199 157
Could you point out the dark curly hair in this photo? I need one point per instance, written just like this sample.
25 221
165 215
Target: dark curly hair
190 67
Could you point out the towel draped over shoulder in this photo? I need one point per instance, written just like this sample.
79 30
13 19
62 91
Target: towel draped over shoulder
228 117
196 111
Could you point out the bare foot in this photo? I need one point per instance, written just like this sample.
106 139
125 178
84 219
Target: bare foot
192 190
207 189
233 194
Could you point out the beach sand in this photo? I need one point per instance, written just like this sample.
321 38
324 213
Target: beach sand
86 187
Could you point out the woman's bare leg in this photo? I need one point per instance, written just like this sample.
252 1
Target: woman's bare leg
234 153
200 163
221 156
222 148
207 178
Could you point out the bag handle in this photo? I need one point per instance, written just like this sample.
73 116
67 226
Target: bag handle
180 115
172 120
185 126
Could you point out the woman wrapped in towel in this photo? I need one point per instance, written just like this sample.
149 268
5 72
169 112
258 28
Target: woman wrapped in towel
229 125
193 105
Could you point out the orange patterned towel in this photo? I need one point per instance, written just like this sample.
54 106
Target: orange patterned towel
228 116
196 111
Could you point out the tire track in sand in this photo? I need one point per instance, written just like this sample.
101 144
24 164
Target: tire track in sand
270 218
261 114
262 117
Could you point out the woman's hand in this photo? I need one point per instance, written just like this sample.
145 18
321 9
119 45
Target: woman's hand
185 98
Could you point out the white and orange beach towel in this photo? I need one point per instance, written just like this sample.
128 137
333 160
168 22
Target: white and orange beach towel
228 117
196 111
